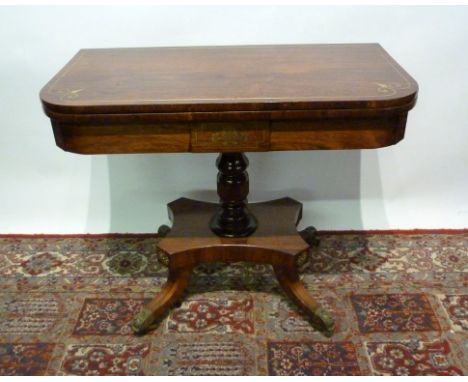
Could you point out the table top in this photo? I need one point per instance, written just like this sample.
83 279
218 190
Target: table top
229 78
178 86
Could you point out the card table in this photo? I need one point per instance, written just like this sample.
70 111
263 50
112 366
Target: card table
230 100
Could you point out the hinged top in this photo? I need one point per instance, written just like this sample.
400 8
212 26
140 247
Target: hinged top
229 78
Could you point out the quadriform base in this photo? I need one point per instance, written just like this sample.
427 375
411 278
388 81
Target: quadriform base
275 241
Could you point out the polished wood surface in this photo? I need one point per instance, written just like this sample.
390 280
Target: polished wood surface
229 99
244 78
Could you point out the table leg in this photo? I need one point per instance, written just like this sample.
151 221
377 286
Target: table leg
289 280
172 290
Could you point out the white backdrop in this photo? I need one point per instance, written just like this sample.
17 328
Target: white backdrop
420 183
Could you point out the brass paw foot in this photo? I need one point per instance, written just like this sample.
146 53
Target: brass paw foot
323 321
170 294
142 322
319 318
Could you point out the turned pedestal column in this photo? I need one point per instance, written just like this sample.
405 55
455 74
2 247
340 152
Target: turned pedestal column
233 219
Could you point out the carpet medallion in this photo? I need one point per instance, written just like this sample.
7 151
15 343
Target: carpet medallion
400 301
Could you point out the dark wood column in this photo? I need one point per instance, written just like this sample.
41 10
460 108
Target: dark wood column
233 219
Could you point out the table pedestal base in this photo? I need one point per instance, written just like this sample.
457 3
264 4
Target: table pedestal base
275 241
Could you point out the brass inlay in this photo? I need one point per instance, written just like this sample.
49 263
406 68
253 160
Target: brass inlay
69 94
302 260
220 135
390 88
229 136
383 89
163 257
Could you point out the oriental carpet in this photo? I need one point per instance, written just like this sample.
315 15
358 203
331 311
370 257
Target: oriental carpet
400 300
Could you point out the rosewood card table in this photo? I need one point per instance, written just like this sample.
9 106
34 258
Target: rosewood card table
230 100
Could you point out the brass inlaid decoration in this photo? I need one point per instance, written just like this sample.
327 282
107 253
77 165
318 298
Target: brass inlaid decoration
68 94
229 136
162 257
390 88
222 136
382 90
302 260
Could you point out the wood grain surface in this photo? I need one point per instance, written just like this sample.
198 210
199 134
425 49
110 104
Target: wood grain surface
229 99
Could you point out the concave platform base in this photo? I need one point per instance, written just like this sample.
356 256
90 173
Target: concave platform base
276 241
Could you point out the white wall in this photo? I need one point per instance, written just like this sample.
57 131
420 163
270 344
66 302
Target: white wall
420 183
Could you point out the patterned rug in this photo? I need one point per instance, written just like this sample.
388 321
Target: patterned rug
400 302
